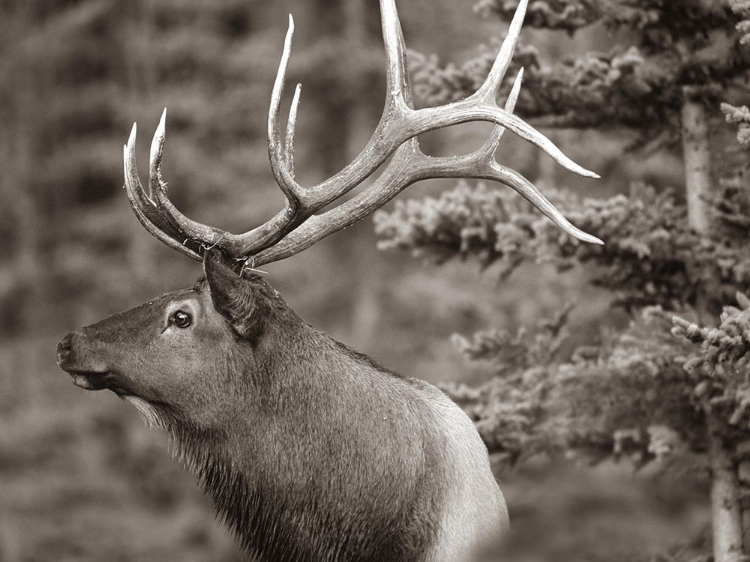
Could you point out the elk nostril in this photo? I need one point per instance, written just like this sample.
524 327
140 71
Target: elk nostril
64 348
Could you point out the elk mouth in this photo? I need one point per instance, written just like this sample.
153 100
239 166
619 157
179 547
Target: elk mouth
92 380
99 380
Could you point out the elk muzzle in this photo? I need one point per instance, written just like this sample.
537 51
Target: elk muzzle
87 372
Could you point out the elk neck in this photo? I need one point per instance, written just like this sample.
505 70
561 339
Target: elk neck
318 437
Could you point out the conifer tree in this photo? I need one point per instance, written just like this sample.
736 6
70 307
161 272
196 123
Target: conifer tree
644 392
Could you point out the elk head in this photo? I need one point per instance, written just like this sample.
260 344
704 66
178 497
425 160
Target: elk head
159 356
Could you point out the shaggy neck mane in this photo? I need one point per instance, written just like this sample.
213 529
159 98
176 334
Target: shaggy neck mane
273 526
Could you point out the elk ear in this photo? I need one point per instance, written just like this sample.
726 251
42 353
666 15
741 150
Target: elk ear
232 296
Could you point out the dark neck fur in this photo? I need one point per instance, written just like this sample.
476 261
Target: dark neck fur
276 524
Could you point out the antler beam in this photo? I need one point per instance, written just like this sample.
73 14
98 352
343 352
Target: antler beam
297 227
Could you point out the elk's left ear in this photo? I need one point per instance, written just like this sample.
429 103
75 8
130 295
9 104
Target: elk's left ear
232 296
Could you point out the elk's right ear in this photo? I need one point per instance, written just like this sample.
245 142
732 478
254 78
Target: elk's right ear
231 295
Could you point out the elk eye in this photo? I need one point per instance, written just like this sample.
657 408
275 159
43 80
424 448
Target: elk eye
181 319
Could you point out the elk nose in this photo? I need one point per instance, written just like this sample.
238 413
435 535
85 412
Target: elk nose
64 349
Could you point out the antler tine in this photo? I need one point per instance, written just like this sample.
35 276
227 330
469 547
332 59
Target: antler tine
493 142
528 191
520 184
281 156
290 128
155 155
143 206
488 90
408 167
189 229
398 95
276 148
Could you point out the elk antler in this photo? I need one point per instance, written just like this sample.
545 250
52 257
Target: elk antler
297 226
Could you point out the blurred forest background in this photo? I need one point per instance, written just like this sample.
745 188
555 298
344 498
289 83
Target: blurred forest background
615 84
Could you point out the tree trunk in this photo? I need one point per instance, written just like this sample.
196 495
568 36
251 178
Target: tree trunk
17 149
726 512
725 497
742 456
697 156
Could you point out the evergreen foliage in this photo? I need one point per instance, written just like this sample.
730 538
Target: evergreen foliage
741 117
742 9
651 256
676 45
723 361
629 397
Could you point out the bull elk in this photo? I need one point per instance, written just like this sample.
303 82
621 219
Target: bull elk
309 450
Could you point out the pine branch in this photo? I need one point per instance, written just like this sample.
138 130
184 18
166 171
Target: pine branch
741 117
555 14
742 9
631 399
722 360
522 350
622 88
662 23
651 256
486 224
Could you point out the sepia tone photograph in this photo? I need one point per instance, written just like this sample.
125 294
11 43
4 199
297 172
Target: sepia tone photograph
375 280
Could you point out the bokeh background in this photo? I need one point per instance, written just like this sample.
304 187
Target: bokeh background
81 478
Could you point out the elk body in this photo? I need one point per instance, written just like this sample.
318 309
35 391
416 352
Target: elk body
309 450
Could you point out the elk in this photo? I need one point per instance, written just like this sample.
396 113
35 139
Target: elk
310 451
